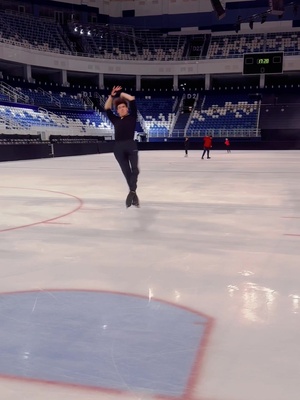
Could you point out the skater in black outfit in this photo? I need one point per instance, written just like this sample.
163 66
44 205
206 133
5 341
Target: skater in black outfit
125 149
186 146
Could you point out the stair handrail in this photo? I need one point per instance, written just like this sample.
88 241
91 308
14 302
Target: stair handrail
53 99
13 93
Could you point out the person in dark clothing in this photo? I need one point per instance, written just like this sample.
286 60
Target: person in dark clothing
186 146
125 149
207 145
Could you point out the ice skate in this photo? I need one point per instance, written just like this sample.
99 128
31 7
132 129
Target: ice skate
136 201
129 198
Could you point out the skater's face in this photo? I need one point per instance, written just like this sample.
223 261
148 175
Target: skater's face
122 110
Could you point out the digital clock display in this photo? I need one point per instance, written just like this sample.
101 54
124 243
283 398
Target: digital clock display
263 63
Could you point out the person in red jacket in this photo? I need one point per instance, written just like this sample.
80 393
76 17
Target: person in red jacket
207 145
227 145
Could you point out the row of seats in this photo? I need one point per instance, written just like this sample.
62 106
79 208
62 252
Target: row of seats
129 43
213 114
230 112
27 118
237 45
84 120
12 138
225 46
24 117
157 116
4 97
41 97
39 32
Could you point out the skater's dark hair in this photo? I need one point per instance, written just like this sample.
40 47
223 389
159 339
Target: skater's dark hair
119 101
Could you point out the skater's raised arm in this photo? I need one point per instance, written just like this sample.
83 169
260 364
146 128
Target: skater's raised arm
127 96
109 102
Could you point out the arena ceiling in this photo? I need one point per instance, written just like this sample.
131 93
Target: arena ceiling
111 7
169 5
119 10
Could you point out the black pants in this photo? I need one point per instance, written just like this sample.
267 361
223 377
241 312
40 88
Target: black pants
205 150
126 154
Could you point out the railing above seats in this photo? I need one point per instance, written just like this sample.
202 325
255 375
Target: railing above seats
14 94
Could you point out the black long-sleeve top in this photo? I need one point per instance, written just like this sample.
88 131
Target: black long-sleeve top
124 127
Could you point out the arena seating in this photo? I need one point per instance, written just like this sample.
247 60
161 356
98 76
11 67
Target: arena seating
85 120
25 118
59 99
288 42
4 97
235 45
42 33
14 138
109 41
157 114
123 42
223 115
13 117
159 47
220 115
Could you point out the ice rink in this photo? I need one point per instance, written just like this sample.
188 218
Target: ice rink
193 296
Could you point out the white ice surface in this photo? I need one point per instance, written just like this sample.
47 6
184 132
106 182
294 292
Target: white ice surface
220 236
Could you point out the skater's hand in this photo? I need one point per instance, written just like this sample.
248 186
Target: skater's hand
115 89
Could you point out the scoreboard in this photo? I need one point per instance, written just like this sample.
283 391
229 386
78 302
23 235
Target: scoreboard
263 63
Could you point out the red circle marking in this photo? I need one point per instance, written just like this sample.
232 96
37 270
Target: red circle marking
79 205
